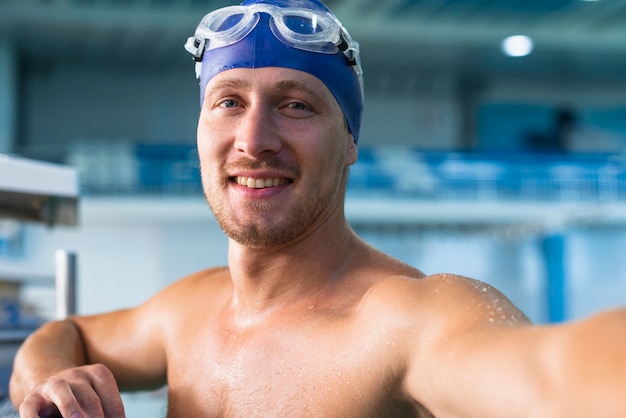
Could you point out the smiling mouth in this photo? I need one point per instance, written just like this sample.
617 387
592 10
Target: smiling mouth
253 183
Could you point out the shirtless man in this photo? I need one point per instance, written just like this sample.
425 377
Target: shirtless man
308 320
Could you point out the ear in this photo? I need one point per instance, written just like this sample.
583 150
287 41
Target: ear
352 152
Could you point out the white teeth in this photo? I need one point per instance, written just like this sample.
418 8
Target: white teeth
259 183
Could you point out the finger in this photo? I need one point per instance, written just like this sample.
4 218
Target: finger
61 395
36 406
106 387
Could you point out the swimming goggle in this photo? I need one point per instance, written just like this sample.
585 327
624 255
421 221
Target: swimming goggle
301 28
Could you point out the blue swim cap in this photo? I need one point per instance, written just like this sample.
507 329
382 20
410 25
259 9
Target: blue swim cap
217 47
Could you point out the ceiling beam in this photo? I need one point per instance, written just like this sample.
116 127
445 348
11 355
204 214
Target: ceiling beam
44 15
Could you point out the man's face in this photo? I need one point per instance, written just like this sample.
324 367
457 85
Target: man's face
274 151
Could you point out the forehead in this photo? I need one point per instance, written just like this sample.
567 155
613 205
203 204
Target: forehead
271 79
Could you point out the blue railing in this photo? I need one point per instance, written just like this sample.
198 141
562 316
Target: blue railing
392 172
520 176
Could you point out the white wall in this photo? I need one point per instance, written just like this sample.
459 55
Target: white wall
596 270
127 250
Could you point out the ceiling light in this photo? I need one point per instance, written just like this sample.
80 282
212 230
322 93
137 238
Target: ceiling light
517 45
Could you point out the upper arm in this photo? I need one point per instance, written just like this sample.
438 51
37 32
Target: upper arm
470 349
128 342
134 342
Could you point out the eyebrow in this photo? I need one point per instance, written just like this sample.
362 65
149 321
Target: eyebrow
282 85
236 83
292 84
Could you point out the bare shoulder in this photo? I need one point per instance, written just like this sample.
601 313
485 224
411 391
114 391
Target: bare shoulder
403 291
169 308
427 317
472 300
206 287
440 302
134 342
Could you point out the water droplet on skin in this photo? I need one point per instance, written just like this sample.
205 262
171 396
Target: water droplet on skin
491 320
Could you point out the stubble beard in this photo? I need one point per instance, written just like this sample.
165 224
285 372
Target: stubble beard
286 227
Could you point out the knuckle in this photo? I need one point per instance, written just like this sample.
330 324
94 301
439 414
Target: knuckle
54 383
70 375
65 404
91 403
28 405
28 410
115 410
101 371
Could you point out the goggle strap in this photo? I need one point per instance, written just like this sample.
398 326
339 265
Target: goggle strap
195 46
200 44
342 45
347 51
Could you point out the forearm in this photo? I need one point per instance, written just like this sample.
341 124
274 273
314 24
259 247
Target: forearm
572 369
592 368
576 368
55 346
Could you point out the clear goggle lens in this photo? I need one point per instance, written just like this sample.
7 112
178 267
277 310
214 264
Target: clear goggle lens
304 29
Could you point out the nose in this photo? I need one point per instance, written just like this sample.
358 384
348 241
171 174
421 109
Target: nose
257 133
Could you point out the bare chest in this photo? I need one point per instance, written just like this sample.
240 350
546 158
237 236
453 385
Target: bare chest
286 372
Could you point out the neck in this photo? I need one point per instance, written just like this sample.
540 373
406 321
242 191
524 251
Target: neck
298 273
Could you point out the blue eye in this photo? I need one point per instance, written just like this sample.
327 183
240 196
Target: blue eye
297 105
229 103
